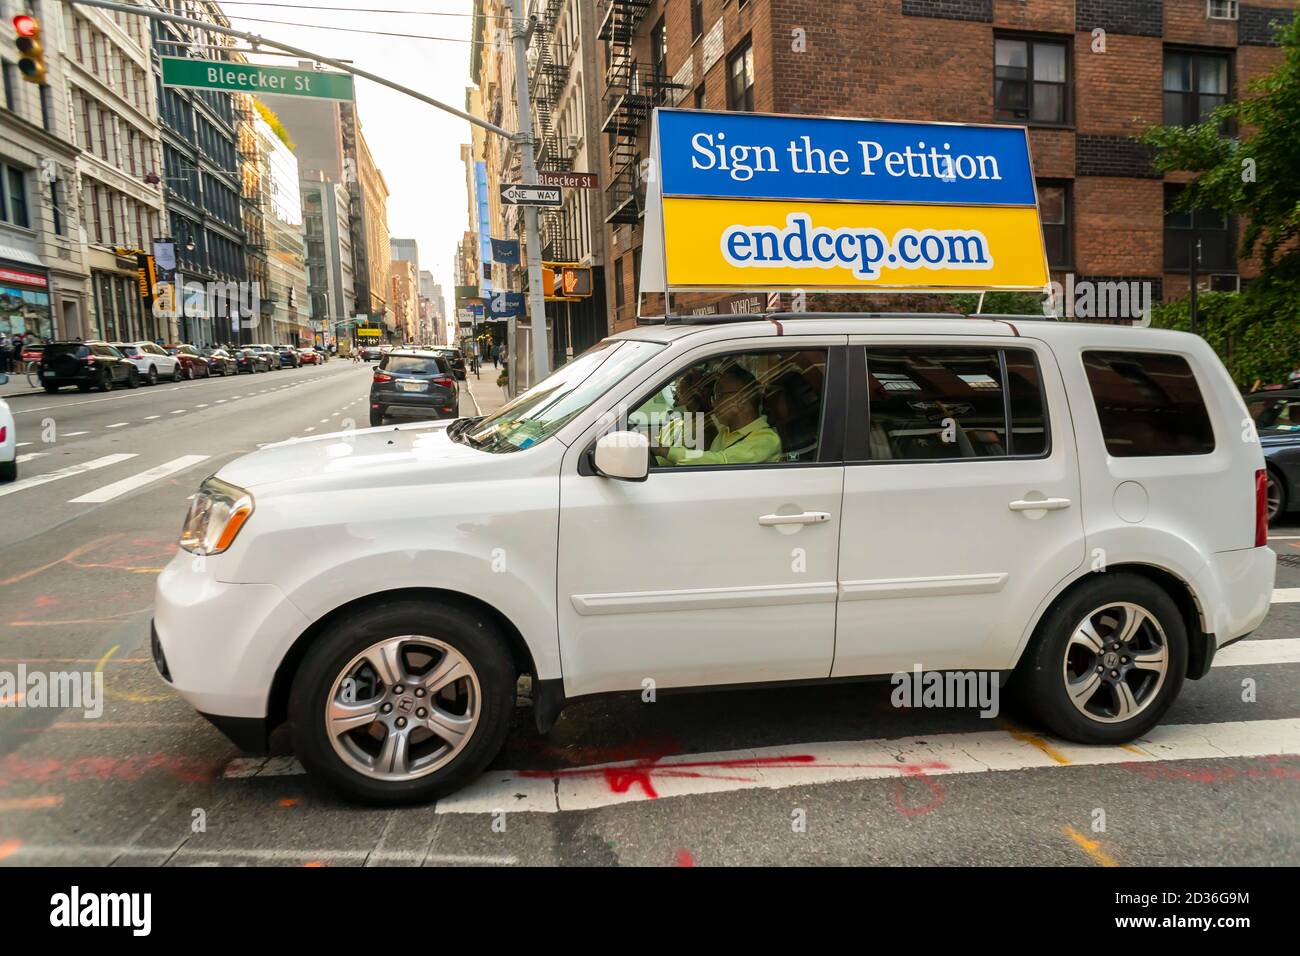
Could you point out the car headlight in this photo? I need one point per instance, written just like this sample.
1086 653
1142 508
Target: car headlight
217 513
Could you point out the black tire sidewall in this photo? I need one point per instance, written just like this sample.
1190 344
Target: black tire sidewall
480 643
1039 674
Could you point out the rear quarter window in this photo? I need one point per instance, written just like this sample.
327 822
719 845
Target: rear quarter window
1148 404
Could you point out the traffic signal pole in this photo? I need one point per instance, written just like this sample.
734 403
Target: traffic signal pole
524 139
528 167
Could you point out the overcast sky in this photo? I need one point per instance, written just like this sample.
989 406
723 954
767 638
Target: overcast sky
416 146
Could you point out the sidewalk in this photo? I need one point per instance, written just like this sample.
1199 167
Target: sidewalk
17 385
485 395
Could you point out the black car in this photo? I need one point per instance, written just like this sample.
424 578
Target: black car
289 356
271 355
251 360
86 365
457 359
220 362
412 383
1277 420
371 353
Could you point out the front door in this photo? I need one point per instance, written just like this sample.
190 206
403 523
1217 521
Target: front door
961 502
720 567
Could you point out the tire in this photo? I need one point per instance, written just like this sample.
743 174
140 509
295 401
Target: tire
83 388
1042 674
376 418
8 471
1277 497
176 373
487 692
152 377
106 381
133 379
189 372
51 389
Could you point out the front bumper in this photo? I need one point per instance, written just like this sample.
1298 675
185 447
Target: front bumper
219 645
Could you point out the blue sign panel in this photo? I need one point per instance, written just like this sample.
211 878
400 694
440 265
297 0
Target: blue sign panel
505 305
754 156
505 251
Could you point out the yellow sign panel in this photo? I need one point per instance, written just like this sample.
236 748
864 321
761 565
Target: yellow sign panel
368 333
755 244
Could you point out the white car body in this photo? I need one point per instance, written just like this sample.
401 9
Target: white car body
8 434
147 355
607 581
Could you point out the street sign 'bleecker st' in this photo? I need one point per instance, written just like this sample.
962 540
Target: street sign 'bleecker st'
517 194
251 78
747 201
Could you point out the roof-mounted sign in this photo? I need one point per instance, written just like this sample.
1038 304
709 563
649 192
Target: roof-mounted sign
754 201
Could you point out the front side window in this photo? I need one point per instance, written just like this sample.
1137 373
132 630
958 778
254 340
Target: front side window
938 403
1030 80
752 408
552 403
1148 404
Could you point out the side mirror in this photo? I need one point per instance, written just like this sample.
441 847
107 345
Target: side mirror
623 455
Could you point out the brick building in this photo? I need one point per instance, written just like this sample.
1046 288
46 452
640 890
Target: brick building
1086 76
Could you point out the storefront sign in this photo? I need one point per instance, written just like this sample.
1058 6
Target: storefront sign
24 278
748 201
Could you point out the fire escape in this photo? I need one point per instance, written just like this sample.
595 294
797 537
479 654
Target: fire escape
631 95
550 62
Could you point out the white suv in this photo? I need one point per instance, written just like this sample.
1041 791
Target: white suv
1078 507
153 361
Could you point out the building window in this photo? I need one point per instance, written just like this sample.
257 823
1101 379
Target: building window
1205 234
1195 85
659 51
740 79
9 69
1221 9
1031 80
54 206
699 97
14 211
697 19
620 294
1054 211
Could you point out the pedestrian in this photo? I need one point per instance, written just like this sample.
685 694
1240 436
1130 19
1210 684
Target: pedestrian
4 352
16 358
496 356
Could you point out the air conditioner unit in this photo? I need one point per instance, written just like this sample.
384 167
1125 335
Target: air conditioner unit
1221 9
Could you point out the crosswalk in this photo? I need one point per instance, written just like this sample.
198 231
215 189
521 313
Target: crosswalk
111 466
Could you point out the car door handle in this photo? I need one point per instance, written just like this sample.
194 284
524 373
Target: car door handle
1044 504
807 517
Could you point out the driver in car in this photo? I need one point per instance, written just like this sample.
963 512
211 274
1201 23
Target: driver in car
744 436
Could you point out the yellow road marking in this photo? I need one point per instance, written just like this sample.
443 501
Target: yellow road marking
127 695
1033 740
31 803
1090 847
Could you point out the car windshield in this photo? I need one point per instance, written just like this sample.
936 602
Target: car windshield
552 403
1281 412
411 365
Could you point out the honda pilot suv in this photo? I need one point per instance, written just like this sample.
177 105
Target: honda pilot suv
1078 508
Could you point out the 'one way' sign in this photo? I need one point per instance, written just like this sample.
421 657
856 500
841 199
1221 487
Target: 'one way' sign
517 194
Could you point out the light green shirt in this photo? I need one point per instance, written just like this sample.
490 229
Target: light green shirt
751 444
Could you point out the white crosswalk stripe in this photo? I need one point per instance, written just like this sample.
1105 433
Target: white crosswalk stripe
28 456
68 472
118 488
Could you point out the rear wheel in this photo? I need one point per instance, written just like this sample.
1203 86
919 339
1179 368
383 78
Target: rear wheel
376 417
402 702
1277 496
51 389
106 381
189 372
1107 661
132 379
152 377
9 470
176 373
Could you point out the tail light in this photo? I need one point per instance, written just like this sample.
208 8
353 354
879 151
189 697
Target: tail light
444 381
382 376
1261 508
4 433
90 360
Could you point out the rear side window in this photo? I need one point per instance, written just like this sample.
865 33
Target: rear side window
77 350
936 403
1148 404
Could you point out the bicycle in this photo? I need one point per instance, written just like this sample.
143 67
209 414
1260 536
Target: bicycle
33 371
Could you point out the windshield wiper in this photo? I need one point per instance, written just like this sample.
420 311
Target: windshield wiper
456 429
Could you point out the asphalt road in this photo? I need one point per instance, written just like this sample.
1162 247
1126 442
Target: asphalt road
829 775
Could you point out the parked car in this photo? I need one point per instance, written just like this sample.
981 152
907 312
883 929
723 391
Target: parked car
86 365
1276 415
8 439
457 359
371 353
252 360
1068 504
409 383
309 356
151 360
31 353
289 356
220 362
193 363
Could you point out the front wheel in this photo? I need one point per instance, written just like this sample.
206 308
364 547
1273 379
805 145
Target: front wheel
1106 662
403 702
176 373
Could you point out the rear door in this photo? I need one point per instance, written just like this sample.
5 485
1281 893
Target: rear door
956 525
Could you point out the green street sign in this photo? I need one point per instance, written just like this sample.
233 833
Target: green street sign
252 78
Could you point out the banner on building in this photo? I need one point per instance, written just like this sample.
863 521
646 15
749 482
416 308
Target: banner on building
753 201
505 251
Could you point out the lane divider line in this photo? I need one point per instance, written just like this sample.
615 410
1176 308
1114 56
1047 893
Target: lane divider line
118 488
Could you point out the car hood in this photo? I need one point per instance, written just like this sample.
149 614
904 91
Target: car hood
356 458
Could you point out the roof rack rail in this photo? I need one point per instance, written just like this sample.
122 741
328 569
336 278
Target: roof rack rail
719 319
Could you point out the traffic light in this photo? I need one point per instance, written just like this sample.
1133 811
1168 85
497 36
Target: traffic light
31 54
575 281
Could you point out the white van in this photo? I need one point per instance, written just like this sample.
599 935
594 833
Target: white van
1080 508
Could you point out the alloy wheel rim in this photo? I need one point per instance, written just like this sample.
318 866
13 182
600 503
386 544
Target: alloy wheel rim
403 708
1116 661
1274 496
